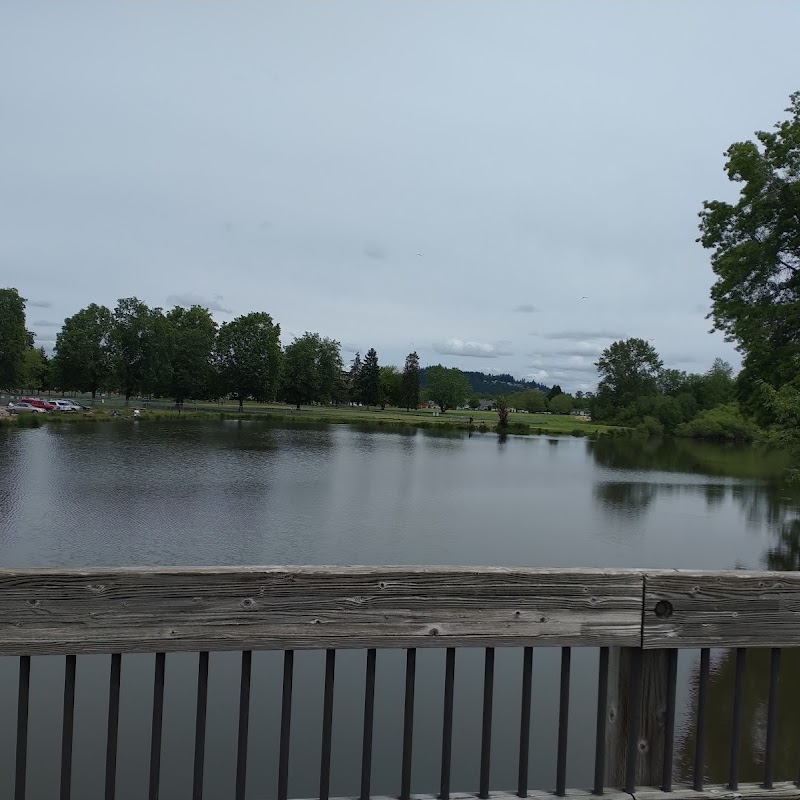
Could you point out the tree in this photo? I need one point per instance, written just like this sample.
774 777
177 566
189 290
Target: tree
474 402
13 338
82 358
194 333
628 370
312 370
36 374
141 345
502 412
249 357
755 253
410 398
561 404
370 379
447 388
355 378
391 387
556 390
532 401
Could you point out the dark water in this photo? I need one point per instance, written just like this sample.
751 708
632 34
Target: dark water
246 493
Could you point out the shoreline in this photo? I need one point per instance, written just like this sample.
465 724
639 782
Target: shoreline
391 418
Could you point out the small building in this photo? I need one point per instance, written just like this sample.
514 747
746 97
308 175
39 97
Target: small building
485 405
580 412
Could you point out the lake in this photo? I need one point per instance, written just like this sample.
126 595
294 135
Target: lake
138 493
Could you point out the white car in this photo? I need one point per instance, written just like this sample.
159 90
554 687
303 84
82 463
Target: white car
25 408
64 405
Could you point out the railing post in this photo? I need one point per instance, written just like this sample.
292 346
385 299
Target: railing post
638 686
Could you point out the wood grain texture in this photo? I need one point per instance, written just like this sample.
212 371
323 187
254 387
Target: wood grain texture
722 609
252 608
746 791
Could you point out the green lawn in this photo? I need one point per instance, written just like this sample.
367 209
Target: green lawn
533 423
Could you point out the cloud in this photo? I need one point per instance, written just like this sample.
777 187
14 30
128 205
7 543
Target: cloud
538 375
458 347
582 335
45 323
526 308
375 252
191 299
39 303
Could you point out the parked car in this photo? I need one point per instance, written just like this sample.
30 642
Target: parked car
45 405
23 407
65 405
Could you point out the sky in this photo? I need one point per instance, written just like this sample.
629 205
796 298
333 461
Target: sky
500 186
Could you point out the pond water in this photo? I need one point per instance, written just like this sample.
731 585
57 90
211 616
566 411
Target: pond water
138 493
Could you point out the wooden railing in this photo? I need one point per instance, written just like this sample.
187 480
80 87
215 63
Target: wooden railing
638 619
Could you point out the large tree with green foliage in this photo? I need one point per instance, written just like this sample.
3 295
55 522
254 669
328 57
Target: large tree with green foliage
141 345
194 333
628 370
755 254
370 379
391 387
312 368
13 338
410 396
37 370
561 403
447 388
82 357
249 357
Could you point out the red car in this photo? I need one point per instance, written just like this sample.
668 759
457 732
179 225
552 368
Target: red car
43 404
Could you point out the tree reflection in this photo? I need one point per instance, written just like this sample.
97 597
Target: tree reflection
754 719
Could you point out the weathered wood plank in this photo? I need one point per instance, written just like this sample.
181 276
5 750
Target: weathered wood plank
721 609
251 608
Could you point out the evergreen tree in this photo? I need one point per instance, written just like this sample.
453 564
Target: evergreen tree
370 379
355 378
410 395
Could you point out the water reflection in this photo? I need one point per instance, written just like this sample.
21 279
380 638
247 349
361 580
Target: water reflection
233 493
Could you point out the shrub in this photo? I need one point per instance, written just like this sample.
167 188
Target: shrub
722 423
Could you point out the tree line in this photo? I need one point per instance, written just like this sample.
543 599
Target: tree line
184 354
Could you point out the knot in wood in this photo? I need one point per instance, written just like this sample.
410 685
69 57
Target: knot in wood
248 602
643 746
433 632
663 609
97 588
33 603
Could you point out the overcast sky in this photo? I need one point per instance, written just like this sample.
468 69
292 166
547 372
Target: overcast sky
450 177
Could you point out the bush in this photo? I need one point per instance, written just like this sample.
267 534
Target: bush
722 423
650 426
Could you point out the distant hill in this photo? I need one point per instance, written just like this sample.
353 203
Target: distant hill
491 385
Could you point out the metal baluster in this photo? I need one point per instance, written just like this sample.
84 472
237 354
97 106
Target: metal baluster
563 723
369 714
486 727
155 734
327 725
200 725
447 722
525 722
113 726
700 738
772 717
244 724
669 721
22 726
286 722
736 727
600 728
408 724
634 720
68 727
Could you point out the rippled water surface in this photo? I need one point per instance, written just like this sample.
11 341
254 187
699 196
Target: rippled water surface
247 493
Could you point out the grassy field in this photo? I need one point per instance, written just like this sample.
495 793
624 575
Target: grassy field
280 412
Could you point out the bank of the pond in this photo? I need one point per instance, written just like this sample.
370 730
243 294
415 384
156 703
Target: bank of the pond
484 422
